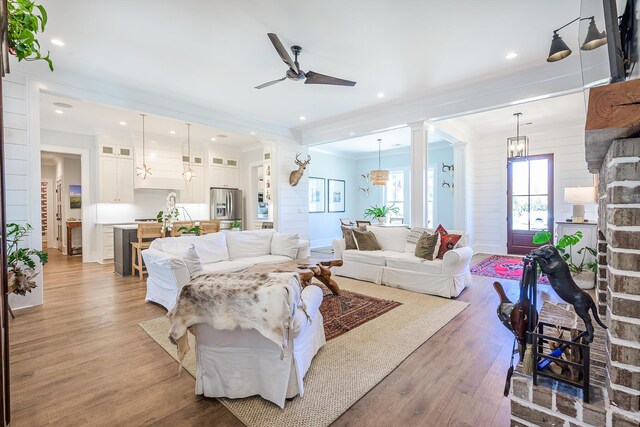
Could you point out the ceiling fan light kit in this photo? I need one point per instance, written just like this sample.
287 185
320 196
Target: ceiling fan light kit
295 73
594 39
143 171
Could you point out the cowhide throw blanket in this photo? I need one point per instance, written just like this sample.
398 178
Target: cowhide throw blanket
261 301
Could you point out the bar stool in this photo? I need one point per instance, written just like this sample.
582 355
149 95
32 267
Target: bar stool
362 222
148 232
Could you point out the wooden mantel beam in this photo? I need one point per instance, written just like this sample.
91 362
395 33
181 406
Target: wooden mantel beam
613 113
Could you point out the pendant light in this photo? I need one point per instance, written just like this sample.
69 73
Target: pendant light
379 176
517 146
188 174
144 170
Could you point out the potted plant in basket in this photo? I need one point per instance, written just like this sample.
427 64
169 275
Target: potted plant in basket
236 225
380 213
582 272
20 260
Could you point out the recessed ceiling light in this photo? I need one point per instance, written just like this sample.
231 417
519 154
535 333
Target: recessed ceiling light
221 135
253 133
511 55
213 139
352 133
172 132
123 123
62 105
380 95
59 112
303 118
57 42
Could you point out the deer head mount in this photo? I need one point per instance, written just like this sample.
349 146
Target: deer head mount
295 176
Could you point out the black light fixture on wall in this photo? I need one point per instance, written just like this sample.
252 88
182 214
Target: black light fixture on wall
594 39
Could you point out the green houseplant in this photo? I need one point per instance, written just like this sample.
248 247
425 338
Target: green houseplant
380 213
581 271
25 20
21 261
236 225
195 230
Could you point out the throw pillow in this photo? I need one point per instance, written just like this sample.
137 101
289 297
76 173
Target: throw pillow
428 246
448 242
187 253
285 244
211 247
441 230
366 240
412 238
347 235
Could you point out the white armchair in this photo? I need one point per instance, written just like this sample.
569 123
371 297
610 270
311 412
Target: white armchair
242 363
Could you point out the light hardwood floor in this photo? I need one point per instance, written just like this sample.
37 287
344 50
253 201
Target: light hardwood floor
82 359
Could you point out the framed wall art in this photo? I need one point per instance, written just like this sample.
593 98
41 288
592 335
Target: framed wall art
316 195
336 195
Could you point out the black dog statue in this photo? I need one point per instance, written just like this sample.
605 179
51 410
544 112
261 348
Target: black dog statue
557 270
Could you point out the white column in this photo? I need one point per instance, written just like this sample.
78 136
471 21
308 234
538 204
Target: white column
459 190
419 173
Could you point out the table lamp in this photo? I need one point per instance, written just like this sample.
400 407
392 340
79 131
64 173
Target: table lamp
579 196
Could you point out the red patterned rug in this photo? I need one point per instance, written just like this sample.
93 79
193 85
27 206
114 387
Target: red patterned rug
349 310
503 267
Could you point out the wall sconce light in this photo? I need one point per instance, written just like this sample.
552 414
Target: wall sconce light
594 39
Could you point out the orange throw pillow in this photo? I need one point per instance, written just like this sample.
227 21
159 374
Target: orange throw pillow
447 241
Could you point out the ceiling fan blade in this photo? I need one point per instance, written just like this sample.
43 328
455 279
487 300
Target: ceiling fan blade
321 79
272 82
282 52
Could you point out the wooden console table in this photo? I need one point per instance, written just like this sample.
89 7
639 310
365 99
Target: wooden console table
73 250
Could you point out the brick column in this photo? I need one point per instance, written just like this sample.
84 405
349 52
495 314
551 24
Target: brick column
621 174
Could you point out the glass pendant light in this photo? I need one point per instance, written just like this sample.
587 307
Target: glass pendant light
379 176
188 174
517 146
144 170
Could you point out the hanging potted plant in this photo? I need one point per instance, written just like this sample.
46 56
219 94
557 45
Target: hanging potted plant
25 20
21 261
380 213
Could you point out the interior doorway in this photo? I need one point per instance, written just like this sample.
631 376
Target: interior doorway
61 207
529 200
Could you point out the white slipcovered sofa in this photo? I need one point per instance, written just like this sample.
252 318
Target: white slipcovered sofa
172 261
397 266
241 363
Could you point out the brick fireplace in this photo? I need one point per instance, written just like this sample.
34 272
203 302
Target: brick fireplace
613 152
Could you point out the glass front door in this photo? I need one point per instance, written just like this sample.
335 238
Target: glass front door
529 200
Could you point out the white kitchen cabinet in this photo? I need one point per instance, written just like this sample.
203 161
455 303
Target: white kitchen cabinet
224 177
105 243
113 150
115 179
194 190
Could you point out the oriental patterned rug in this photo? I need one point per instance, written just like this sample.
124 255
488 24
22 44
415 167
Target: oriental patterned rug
503 267
386 325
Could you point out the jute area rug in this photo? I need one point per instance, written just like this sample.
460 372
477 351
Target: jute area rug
348 366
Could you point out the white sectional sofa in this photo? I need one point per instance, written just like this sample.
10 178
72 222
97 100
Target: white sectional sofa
172 262
397 266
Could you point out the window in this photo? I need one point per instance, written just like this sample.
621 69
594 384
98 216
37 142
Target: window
395 192
430 193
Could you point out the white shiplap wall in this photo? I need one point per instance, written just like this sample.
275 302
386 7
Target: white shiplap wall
487 180
292 207
17 175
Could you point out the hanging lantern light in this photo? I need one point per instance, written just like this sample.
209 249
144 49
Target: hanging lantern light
517 146
189 173
379 176
144 170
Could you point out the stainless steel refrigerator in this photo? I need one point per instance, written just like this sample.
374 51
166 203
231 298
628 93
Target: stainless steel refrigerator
226 205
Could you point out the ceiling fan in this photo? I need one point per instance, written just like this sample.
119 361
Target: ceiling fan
295 73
